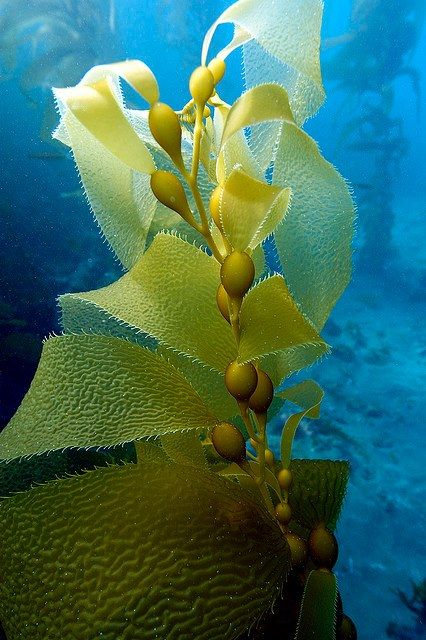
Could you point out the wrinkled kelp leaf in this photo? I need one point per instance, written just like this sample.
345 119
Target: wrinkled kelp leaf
208 383
139 551
318 491
308 395
95 390
285 32
317 620
271 322
184 448
170 295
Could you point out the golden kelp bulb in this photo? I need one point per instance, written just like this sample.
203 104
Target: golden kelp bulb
222 302
263 395
237 274
323 547
283 512
229 442
215 206
269 456
165 127
347 630
217 67
201 85
168 189
240 380
298 550
285 478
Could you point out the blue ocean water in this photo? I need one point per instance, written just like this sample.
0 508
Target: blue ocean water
373 129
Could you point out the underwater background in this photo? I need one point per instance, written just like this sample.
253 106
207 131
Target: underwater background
372 128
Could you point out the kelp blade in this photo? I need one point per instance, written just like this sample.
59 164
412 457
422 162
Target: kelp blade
317 618
139 551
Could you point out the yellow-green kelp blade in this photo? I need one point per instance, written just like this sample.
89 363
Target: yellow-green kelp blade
142 551
314 239
96 103
286 33
308 395
207 382
170 295
271 322
318 490
250 209
317 619
112 157
95 390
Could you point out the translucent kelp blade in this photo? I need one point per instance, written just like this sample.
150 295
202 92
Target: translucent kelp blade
79 316
237 151
308 395
170 294
318 490
246 205
317 619
270 306
314 242
207 382
96 102
184 448
98 391
287 31
120 198
141 550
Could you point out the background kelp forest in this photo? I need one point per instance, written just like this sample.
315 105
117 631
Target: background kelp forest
373 129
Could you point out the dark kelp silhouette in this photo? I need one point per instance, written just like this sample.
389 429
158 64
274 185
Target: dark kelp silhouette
365 63
50 43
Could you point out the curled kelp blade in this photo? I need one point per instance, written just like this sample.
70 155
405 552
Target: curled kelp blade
250 209
141 551
99 391
178 308
112 158
318 490
284 32
96 102
317 619
308 395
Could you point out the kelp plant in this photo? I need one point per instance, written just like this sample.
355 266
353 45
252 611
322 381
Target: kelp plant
184 356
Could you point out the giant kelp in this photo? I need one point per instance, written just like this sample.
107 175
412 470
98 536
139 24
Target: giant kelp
183 357
50 42
365 63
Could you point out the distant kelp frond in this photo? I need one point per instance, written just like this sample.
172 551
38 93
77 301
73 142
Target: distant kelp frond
284 34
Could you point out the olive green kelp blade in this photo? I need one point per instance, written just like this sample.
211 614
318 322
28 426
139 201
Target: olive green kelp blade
317 618
318 491
93 391
170 295
145 551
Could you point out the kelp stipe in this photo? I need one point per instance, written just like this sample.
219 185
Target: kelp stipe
183 355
